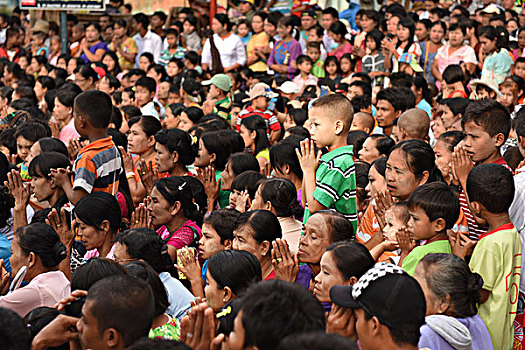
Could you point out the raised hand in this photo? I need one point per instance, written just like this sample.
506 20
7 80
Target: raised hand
127 161
461 164
148 175
5 277
242 201
140 217
285 265
211 185
75 295
461 244
405 241
308 160
61 176
190 267
59 224
16 187
197 330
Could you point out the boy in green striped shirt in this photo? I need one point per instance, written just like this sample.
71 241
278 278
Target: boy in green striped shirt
220 86
329 180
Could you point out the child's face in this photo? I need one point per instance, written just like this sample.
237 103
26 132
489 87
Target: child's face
519 68
174 97
419 225
437 127
393 223
233 198
443 157
507 97
305 67
172 40
289 122
371 44
261 103
210 242
313 53
214 92
23 146
55 46
479 144
346 65
143 95
77 34
243 30
331 68
322 128
37 40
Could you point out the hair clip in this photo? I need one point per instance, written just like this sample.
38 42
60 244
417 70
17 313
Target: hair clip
193 139
225 312
182 186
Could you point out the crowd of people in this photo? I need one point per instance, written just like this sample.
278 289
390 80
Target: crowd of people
273 176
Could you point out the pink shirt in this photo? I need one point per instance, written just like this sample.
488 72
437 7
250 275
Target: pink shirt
183 237
463 54
68 132
302 83
45 289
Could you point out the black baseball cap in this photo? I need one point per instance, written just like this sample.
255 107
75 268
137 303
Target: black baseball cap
342 88
387 292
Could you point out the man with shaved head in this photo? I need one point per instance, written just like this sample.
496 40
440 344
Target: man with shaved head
413 124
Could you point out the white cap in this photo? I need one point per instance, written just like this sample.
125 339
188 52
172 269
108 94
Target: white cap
289 87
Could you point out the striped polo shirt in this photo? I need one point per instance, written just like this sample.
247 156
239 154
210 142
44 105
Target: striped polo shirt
97 167
335 184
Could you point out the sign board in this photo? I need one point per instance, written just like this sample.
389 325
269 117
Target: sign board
96 5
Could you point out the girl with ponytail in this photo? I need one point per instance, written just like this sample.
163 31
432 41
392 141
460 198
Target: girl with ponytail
37 249
452 294
278 195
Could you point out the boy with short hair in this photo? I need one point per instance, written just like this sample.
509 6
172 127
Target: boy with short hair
218 96
487 125
497 255
260 95
145 89
519 67
99 164
329 181
26 135
313 50
434 209
173 50
305 77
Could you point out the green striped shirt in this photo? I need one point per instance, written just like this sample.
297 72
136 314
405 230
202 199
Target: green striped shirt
335 186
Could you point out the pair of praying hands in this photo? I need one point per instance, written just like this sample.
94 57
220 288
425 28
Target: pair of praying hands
141 217
285 265
198 327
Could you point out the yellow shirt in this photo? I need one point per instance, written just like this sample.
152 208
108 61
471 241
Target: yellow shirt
257 40
497 258
128 46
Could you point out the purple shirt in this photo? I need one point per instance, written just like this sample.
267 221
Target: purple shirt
93 49
478 331
279 52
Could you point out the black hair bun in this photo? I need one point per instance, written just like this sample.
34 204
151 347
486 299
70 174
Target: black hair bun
59 251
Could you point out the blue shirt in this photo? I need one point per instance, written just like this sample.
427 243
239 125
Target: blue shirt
178 296
423 104
5 251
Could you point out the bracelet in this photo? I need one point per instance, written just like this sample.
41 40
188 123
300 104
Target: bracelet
130 175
